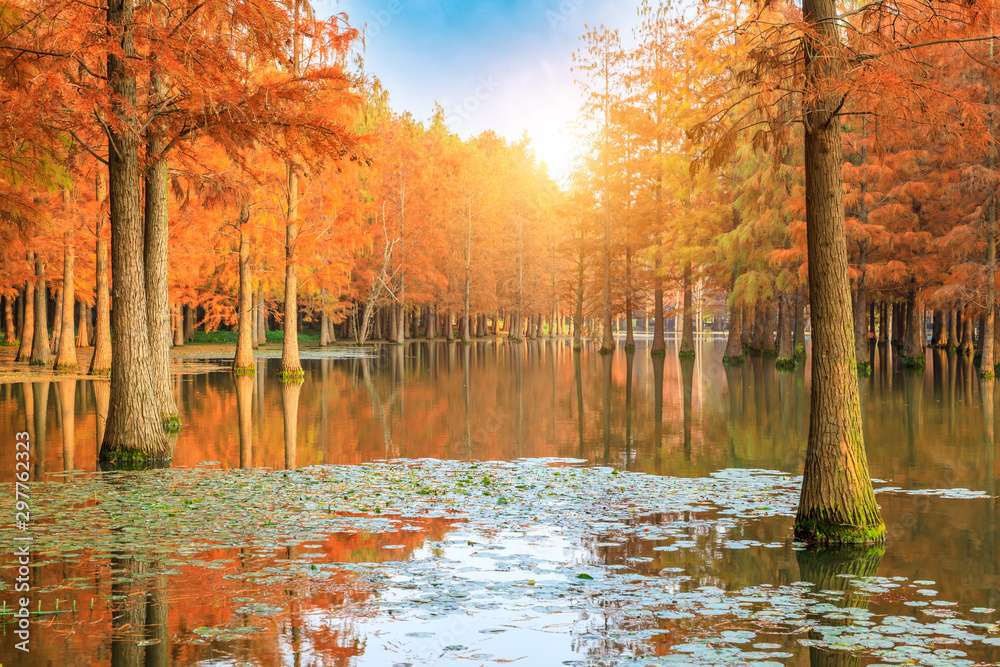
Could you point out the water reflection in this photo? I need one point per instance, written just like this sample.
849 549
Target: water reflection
490 400
834 570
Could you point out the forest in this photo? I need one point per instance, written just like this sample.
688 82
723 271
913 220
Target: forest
232 164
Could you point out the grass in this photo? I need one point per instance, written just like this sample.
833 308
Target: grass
271 336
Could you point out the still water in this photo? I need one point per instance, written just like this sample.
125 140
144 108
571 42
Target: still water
494 401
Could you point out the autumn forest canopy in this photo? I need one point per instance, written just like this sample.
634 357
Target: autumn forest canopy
232 164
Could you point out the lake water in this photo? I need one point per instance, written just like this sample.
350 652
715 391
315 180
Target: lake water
661 584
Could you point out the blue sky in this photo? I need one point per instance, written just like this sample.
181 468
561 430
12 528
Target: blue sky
503 65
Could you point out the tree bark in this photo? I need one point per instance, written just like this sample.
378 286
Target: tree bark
837 503
860 312
83 327
966 346
155 255
28 324
9 334
134 430
291 366
786 348
687 328
913 353
953 317
189 315
57 315
100 363
734 342
40 352
767 347
243 363
66 356
178 325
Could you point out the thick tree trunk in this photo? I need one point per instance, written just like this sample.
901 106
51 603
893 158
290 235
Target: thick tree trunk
913 353
28 324
134 431
100 363
757 333
40 352
860 331
66 356
837 503
261 321
178 325
786 348
449 330
883 325
430 331
967 345
9 333
156 278
767 347
953 318
658 347
243 363
687 328
291 366
189 315
939 331
57 315
734 343
83 326
800 325
400 334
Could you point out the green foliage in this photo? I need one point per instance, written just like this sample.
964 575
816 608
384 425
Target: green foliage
769 354
245 371
277 336
734 361
6 344
913 363
292 376
786 364
864 369
686 354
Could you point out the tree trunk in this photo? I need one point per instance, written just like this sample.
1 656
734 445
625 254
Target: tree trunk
291 366
757 333
860 331
767 347
57 314
734 344
83 327
243 363
953 318
261 321
178 325
189 316
449 331
938 331
28 325
134 430
966 346
430 330
883 325
658 346
399 336
913 353
687 331
66 356
786 348
155 257
837 503
244 409
40 352
9 334
100 363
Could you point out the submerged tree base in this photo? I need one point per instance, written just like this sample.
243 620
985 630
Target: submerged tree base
66 367
913 363
658 353
686 354
769 354
828 532
171 423
864 369
244 371
292 375
734 361
135 459
800 352
630 348
786 364
100 372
